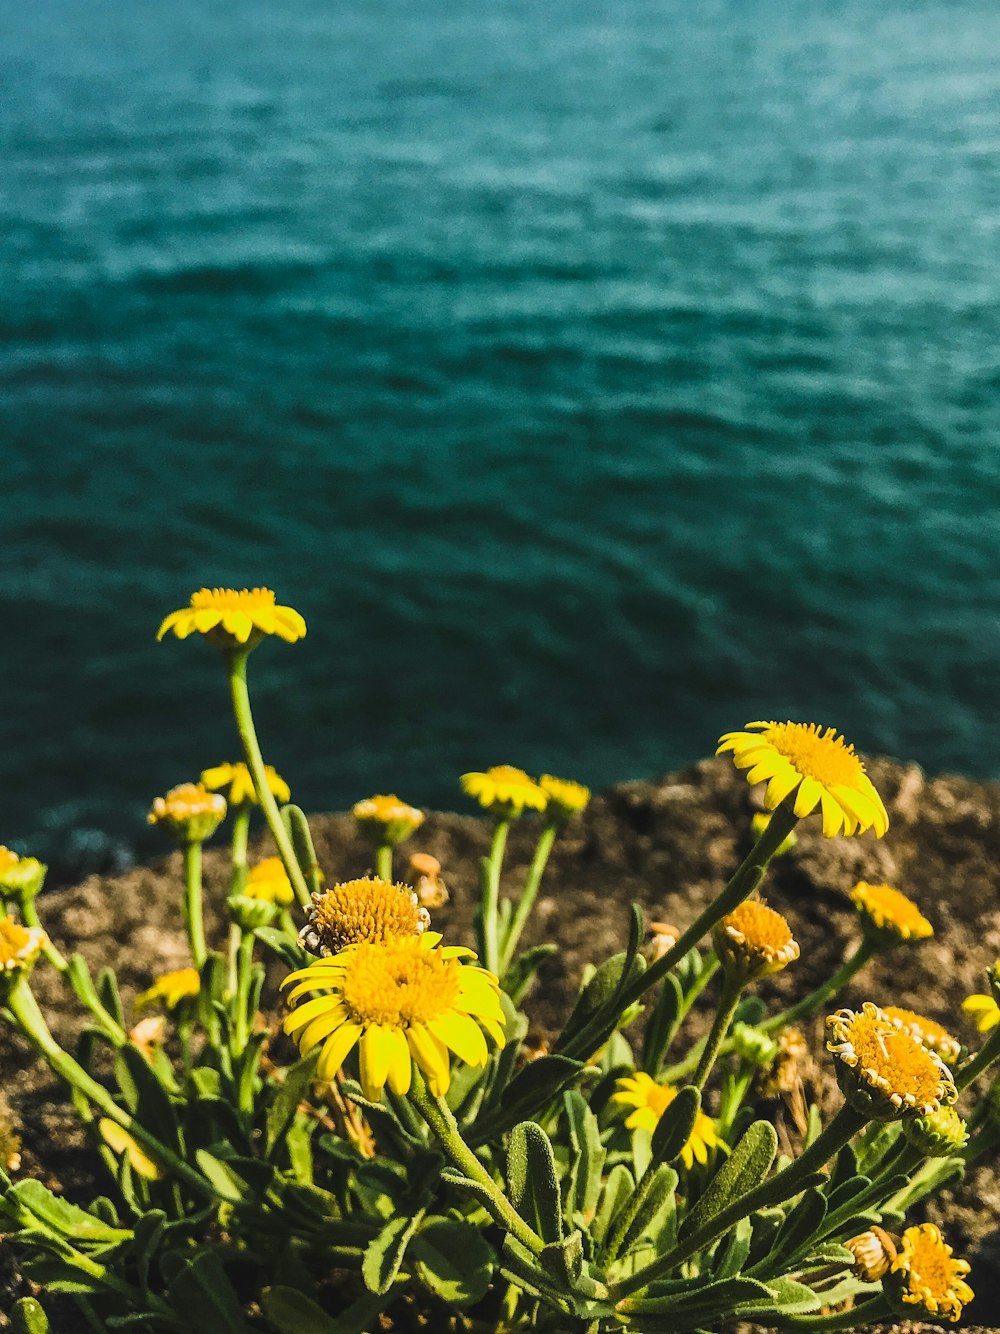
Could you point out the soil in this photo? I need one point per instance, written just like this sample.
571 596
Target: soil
668 845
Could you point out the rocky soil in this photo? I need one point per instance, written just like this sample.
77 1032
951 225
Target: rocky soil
668 845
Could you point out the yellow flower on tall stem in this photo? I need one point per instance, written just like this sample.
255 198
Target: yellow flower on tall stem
234 618
649 1101
505 790
369 910
409 999
887 916
269 881
817 765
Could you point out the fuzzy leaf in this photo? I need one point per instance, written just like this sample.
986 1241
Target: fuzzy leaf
146 1097
656 1217
384 1255
520 975
453 1261
532 1181
29 1201
533 1087
27 1317
732 1252
201 1293
708 1299
787 1298
746 1168
803 1222
663 1022
673 1130
291 1092
618 1187
587 1155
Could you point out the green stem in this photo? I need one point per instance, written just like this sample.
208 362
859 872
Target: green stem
241 831
785 1184
744 881
383 861
23 1006
438 1116
30 918
490 903
984 1058
528 894
236 664
858 1317
732 989
193 915
810 1004
243 1019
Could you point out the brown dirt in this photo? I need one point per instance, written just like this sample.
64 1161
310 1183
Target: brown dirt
668 845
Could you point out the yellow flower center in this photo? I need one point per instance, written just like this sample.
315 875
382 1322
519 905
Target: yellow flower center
889 1059
371 910
761 930
933 1278
889 910
231 599
818 754
927 1031
399 983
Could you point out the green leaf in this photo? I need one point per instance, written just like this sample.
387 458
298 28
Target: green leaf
662 1024
746 1168
29 1201
149 1230
636 923
564 1259
206 1080
384 1255
708 1299
587 1155
802 1223
845 1167
531 1090
520 975
107 990
532 1182
673 1130
452 1260
656 1218
607 982
291 1312
787 1298
295 822
849 1189
290 954
28 1317
767 1223
732 1252
292 1090
617 1189
146 1097
200 1292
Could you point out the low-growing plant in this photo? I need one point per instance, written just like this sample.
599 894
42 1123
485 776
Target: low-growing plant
416 1164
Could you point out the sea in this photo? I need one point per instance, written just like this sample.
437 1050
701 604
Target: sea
594 376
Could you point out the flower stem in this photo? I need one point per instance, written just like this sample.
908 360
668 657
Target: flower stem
528 894
490 900
732 989
983 1059
236 664
193 915
241 829
744 881
383 861
858 1317
438 1116
810 1004
781 1187
242 998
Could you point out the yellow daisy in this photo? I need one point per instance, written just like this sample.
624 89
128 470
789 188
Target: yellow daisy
386 819
566 797
505 790
268 880
650 1100
754 941
882 1069
234 617
189 811
368 910
20 945
927 1276
983 1011
407 999
239 780
889 915
171 990
818 766
17 873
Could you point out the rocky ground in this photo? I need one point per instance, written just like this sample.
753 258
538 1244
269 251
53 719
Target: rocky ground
668 845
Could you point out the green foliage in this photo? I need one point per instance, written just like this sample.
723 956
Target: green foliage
565 1189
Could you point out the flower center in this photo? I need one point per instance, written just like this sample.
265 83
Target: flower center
822 755
361 910
893 1059
761 928
231 599
930 1265
927 1031
399 984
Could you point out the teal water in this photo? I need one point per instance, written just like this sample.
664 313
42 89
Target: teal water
594 377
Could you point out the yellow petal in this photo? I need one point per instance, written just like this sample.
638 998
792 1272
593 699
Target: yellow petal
807 797
400 1064
336 1049
375 1053
462 1034
432 1057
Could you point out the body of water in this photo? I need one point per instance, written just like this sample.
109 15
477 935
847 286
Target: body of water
593 377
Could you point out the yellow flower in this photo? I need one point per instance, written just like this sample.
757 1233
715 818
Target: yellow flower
238 779
504 789
753 941
818 766
189 811
171 990
888 916
873 1251
566 797
650 1101
231 618
269 880
983 1011
407 999
387 819
927 1276
882 1069
20 873
20 945
927 1031
369 909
